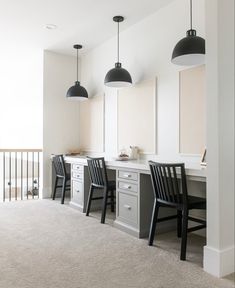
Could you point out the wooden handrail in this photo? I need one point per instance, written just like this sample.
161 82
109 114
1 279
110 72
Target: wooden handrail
20 150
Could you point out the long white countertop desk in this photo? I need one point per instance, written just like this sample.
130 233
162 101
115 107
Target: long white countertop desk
134 193
194 171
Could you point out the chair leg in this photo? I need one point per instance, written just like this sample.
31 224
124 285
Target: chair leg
153 223
54 190
88 206
179 223
104 205
184 235
112 200
63 191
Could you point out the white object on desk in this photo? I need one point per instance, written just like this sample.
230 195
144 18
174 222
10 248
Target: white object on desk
122 158
134 152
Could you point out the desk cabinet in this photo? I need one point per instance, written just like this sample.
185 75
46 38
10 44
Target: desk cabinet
133 203
77 192
79 184
127 208
127 198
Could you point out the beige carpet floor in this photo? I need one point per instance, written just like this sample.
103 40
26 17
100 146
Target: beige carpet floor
47 245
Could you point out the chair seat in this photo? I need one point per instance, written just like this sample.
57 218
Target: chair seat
67 176
193 202
196 202
111 185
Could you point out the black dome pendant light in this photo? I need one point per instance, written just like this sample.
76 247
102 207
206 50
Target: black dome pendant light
77 92
118 77
190 50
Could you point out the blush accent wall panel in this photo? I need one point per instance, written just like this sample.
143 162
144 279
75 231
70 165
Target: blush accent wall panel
192 111
136 117
91 124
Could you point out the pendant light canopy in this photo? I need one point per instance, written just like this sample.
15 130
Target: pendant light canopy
118 77
77 92
191 49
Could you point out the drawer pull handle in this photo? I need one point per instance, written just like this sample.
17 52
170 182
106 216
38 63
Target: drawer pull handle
127 207
127 175
77 191
127 186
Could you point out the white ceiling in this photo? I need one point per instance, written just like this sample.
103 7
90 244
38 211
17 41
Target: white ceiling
87 22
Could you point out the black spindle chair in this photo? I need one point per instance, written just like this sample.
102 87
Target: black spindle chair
99 180
62 177
167 192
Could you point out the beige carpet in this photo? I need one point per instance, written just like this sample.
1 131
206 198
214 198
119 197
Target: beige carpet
48 245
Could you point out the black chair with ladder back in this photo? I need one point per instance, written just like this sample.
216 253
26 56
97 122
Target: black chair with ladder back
167 192
99 181
62 177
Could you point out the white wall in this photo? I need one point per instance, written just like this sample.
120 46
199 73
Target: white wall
21 91
145 51
220 250
60 115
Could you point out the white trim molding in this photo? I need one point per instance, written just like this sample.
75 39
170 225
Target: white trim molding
219 262
154 151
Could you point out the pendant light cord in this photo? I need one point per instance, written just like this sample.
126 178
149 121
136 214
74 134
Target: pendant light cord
191 14
118 45
77 65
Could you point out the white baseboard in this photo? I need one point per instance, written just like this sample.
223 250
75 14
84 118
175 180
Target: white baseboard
126 228
219 262
77 206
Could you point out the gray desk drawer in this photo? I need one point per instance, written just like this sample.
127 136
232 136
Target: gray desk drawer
128 175
127 186
128 208
77 167
77 175
77 191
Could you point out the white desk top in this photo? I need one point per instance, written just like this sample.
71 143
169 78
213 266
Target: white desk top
194 170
